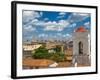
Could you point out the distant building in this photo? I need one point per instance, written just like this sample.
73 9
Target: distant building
28 48
51 45
81 46
70 44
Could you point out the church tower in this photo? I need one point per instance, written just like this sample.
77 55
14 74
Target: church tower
81 47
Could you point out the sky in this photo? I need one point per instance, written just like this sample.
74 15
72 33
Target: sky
45 25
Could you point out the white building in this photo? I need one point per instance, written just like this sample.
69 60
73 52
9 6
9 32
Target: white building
28 48
81 46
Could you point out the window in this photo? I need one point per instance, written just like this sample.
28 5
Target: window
80 47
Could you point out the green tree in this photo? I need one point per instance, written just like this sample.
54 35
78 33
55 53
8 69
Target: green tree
40 53
58 57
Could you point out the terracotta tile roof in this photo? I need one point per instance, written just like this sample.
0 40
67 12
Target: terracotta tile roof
81 29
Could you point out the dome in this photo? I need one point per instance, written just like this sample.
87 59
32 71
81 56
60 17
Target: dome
81 29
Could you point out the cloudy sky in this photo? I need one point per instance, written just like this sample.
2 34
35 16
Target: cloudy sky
44 25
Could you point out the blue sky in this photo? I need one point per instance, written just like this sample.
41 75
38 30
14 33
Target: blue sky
44 25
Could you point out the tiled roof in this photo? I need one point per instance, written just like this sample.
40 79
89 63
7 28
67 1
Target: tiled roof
81 29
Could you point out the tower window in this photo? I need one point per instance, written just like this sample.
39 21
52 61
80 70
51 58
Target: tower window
80 47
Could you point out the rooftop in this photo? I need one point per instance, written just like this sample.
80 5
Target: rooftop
81 29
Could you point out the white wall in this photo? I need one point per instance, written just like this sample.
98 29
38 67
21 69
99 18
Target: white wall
5 37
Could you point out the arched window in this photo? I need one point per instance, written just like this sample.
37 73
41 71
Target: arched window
80 47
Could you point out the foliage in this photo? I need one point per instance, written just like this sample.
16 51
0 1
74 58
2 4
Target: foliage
42 53
58 57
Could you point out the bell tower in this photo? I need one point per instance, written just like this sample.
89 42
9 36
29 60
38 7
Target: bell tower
81 47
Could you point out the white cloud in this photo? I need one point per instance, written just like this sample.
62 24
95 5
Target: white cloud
41 13
31 22
27 13
42 35
54 36
53 27
46 19
29 28
73 25
56 26
38 23
87 24
81 14
62 13
75 17
30 15
66 35
63 36
31 19
35 20
63 23
50 25
28 37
